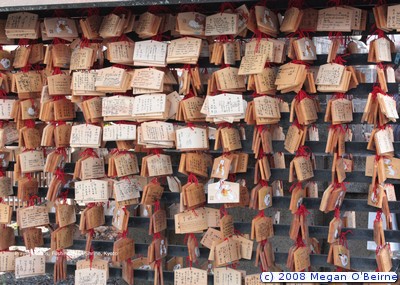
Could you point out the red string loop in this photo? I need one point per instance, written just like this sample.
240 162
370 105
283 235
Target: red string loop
343 238
337 213
222 211
295 185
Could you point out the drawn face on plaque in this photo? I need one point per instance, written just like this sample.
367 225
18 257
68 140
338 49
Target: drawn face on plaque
312 249
267 199
389 167
339 199
145 267
224 191
309 51
346 166
241 18
177 266
343 259
299 202
163 248
336 235
267 18
374 198
197 23
210 268
62 26
221 168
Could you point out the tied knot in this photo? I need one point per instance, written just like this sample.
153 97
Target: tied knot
295 185
299 241
62 151
224 125
157 236
339 95
255 94
159 9
85 42
337 36
237 232
3 94
300 34
58 41
227 6
381 66
32 200
337 127
260 128
189 95
258 35
23 42
26 68
341 185
120 10
297 124
264 242
340 60
261 213
57 71
3 123
381 127
156 151
64 196
90 205
191 125
378 216
157 206
159 37
302 211
30 124
123 234
302 95
225 39
377 89
89 152
119 65
334 3
193 179
93 11
304 151
60 175
192 237
232 177
296 61
296 4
